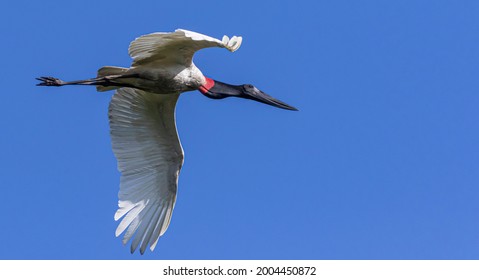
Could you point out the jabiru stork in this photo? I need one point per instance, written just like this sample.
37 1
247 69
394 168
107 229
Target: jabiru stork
142 123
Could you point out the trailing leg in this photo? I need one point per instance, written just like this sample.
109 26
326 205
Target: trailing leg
103 83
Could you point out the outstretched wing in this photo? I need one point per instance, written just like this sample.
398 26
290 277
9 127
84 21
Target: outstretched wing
176 47
148 150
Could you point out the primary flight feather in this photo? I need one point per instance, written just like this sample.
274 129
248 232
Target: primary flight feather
142 124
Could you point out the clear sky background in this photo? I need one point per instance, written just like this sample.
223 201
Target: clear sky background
381 161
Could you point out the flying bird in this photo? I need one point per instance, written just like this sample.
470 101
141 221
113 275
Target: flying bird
142 123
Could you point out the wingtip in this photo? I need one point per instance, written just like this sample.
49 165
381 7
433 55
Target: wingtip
225 40
232 44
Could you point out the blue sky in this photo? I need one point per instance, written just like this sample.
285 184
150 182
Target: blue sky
381 161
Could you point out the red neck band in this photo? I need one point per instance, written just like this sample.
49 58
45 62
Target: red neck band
209 84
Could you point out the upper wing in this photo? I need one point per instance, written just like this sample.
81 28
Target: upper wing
176 47
146 145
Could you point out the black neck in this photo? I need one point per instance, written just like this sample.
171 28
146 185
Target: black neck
222 90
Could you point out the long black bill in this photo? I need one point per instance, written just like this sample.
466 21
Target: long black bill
219 90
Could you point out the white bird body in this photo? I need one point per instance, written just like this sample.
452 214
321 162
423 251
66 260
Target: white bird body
165 80
142 124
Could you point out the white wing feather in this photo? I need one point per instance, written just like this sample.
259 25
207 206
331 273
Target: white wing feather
176 47
150 156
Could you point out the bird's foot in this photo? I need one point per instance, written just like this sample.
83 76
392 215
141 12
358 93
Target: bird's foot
50 81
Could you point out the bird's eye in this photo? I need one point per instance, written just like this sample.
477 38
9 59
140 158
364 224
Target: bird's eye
248 86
